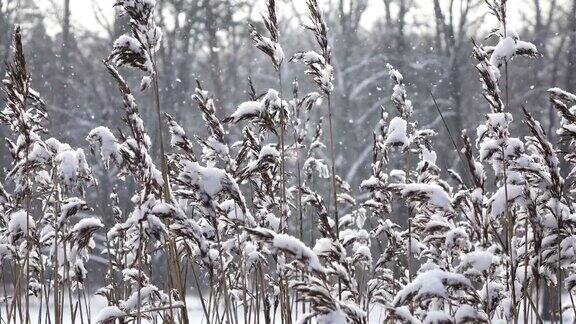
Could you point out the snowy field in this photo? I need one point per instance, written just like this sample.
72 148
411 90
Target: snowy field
195 312
196 315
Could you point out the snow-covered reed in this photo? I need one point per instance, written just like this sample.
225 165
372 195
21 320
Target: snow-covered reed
226 211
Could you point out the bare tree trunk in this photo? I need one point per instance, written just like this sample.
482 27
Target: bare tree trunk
65 56
388 14
187 38
439 20
453 51
215 66
570 81
400 36
4 39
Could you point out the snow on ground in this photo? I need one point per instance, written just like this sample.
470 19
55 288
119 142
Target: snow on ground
194 306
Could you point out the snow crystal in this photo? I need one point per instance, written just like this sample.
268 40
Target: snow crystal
437 317
268 150
488 147
398 176
278 53
70 207
310 57
429 155
251 254
57 146
128 42
263 42
334 317
467 314
456 238
108 313
38 153
396 134
5 250
369 183
145 82
317 165
562 94
346 198
234 212
210 180
108 144
429 284
499 120
361 217
87 223
326 76
214 146
498 201
528 47
131 274
68 163
569 282
394 74
363 251
323 246
177 133
273 221
345 220
403 313
319 68
415 247
143 296
299 249
435 194
479 260
504 50
271 98
19 223
247 108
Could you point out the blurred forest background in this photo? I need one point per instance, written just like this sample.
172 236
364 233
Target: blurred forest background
429 41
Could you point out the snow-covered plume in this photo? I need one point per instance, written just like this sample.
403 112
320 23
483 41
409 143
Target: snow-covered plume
138 49
109 147
215 146
399 97
509 47
291 245
559 223
491 58
131 153
269 45
489 76
38 229
263 112
564 102
318 64
24 113
179 139
433 283
314 165
205 184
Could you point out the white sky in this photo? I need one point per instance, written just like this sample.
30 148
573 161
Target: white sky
83 12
